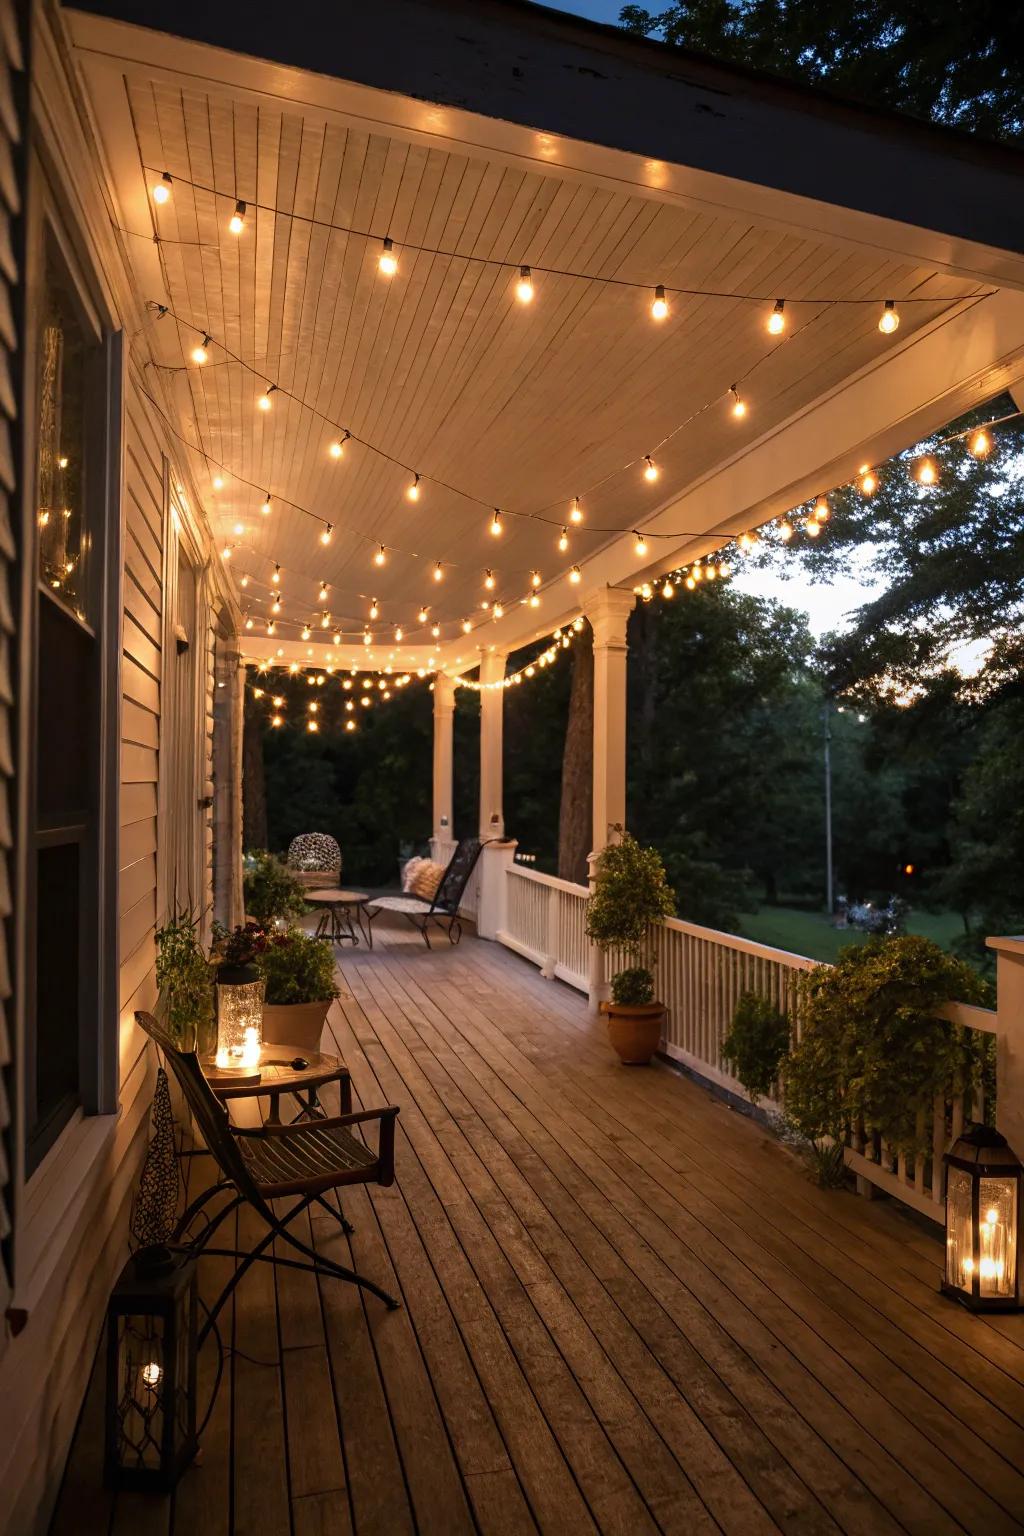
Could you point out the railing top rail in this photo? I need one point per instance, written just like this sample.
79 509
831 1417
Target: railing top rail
968 1016
744 946
553 881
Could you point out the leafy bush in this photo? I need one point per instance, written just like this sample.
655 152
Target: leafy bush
756 1044
630 893
271 891
185 979
297 968
238 946
633 987
873 1047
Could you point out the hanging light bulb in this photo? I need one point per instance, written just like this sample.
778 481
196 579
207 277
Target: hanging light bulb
925 472
659 304
350 725
524 286
739 407
435 630
236 223
337 448
276 576
325 533
248 623
497 611
312 725
785 530
321 596
668 590
697 571
239 530
489 581
381 556
651 469
244 582
438 571
777 318
534 600
979 443
367 637
265 505
640 545
467 625
218 482
710 572
325 620
690 584
374 609
535 579
868 480
563 540
822 510
270 626
275 606
225 553
413 491
276 720
496 525
575 511
162 189
201 352
575 575
264 402
812 527
387 261
398 634
421 617
889 320
306 631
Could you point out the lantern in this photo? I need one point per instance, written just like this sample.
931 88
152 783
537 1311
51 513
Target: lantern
151 1371
239 1018
983 1222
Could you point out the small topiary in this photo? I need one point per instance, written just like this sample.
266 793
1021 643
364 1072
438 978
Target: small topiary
633 987
630 894
297 968
757 1044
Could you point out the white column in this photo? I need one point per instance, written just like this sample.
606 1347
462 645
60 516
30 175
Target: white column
444 712
608 611
1010 1039
492 711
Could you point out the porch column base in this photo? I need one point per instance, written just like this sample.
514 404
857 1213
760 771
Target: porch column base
492 898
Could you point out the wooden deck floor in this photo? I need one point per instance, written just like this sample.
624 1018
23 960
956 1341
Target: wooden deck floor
625 1309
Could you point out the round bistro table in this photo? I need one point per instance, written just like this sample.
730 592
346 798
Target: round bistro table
336 920
276 1075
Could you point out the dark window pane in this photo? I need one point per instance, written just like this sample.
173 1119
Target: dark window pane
58 959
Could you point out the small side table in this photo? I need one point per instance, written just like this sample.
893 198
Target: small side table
277 1076
342 911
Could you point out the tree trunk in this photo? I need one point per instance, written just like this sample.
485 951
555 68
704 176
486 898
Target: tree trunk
575 820
254 794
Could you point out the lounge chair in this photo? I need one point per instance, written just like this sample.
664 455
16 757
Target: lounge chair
444 908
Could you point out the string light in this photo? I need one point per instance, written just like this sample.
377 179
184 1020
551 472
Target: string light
777 318
367 637
249 623
244 581
337 448
467 626
812 527
822 510
435 629
270 626
201 352
497 611
225 553
534 600
275 606
889 320
868 480
306 632
925 472
575 575
162 189
535 579
739 407
265 506
668 590
325 536
218 482
524 286
398 634
496 524
421 617
576 511
785 530
325 620
276 577
236 223
321 596
438 571
264 402
659 304
979 443
489 581
651 470
413 491
640 546
380 558
563 540
374 609
387 261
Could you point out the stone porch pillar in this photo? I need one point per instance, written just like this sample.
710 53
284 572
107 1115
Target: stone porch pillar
444 713
608 610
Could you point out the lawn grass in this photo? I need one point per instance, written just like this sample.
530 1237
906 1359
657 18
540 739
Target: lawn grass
811 933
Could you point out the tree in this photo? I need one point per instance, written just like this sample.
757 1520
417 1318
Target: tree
962 65
576 815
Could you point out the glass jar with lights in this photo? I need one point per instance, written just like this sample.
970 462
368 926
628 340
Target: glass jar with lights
150 1428
984 1180
240 1001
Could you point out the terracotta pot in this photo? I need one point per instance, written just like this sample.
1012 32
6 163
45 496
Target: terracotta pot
299 1024
634 1030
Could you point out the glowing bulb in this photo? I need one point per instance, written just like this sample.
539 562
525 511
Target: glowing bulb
276 577
524 286
690 583
659 305
640 547
496 527
398 634
162 190
489 581
534 600
812 527
435 630
367 637
438 571
218 482
535 579
739 407
651 469
387 261
201 353
270 627
151 1373
668 590
421 617
350 725
890 319
374 610
563 540
498 611
467 625
575 575
785 530
822 510
236 223
244 581
777 318
248 623
337 448
336 637
979 443
312 725
868 481
275 606
306 631
265 506
325 620
925 472
325 535
575 511
321 596
381 556
413 491
264 402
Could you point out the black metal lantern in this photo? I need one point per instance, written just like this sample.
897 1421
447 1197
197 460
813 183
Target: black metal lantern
984 1183
151 1371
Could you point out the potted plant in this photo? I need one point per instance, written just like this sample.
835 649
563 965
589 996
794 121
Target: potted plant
272 893
630 893
298 976
185 980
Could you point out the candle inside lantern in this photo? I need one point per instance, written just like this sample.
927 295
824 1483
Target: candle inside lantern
151 1374
239 1019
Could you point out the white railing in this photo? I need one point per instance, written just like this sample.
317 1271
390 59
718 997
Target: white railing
701 975
441 850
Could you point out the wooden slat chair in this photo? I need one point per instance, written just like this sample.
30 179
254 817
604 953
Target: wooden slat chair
444 908
270 1162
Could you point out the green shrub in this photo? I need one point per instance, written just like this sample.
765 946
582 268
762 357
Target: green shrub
297 968
873 1048
271 891
630 894
756 1044
633 987
185 979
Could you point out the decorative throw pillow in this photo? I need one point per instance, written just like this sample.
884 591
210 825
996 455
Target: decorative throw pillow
412 866
426 880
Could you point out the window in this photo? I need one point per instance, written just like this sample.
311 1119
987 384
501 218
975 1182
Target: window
72 727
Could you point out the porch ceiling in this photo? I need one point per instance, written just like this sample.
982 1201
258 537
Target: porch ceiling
519 406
